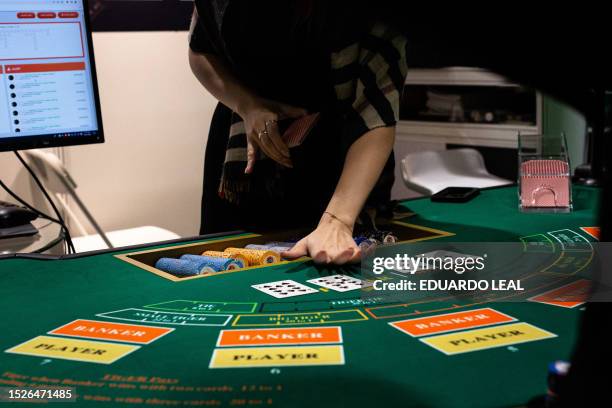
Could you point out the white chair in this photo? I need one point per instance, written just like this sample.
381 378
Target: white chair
428 172
59 182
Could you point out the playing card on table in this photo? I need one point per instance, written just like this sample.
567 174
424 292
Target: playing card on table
284 288
339 283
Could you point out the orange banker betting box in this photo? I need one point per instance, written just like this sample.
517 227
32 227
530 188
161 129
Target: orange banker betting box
423 326
95 329
284 336
570 295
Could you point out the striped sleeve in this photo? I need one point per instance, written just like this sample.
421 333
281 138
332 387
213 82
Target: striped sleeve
368 79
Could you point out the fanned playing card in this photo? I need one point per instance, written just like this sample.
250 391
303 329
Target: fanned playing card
284 289
339 283
297 131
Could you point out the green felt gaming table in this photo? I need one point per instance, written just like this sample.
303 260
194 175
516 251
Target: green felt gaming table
328 349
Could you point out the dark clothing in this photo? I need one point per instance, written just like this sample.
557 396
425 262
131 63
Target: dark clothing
266 51
300 200
336 62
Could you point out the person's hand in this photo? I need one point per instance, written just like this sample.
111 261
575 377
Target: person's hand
331 242
260 122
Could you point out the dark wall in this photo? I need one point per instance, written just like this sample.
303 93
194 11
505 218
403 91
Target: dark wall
140 15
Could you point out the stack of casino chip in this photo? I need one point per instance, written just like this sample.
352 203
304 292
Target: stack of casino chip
240 259
182 267
367 245
277 247
218 264
384 237
255 256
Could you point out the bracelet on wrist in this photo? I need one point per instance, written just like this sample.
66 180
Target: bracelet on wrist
335 217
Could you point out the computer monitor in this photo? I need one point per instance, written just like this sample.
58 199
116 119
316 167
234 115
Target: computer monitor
48 88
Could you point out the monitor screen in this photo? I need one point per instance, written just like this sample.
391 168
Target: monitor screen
48 89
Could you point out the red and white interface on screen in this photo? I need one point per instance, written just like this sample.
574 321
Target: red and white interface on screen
46 86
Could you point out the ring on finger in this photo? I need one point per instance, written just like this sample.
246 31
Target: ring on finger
261 133
268 123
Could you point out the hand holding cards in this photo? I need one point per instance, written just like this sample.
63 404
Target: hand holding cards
298 129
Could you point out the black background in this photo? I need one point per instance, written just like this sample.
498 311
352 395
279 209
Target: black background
140 15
